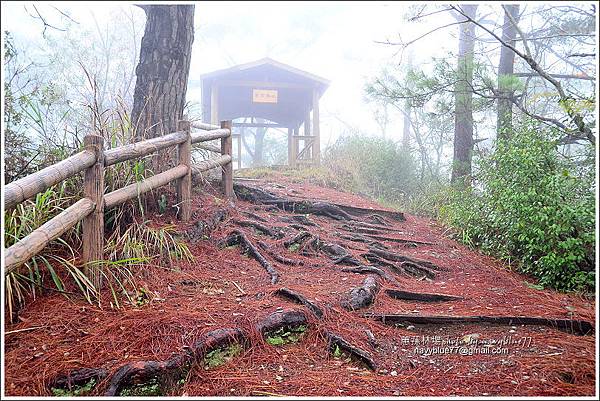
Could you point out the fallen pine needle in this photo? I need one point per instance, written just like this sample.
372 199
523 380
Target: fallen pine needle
266 393
238 287
27 329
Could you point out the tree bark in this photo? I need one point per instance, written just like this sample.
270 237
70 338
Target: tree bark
463 124
505 70
162 72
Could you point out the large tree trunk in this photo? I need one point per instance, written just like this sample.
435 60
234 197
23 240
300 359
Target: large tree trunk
163 69
505 70
463 125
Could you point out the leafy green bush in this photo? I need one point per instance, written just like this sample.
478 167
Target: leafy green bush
534 206
375 165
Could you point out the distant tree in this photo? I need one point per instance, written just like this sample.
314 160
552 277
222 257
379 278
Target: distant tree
255 148
163 69
463 115
506 70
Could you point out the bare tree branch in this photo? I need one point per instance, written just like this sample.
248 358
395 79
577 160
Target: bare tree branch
420 37
66 15
559 76
575 117
46 24
582 55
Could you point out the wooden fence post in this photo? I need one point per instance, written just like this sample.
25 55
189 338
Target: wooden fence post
227 175
93 224
184 184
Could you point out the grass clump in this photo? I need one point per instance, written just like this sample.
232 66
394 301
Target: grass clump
286 335
147 389
74 391
221 355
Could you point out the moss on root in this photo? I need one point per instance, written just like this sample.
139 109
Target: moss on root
74 391
286 335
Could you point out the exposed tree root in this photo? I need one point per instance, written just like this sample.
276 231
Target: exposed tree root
399 240
364 240
300 219
260 228
363 296
408 265
168 372
402 258
298 239
417 270
252 194
355 228
165 372
353 225
298 227
218 338
371 339
347 260
301 299
78 378
203 228
255 216
317 208
278 257
372 258
356 238
277 320
335 341
238 237
366 212
372 240
336 252
364 269
579 327
375 218
406 268
421 296
255 195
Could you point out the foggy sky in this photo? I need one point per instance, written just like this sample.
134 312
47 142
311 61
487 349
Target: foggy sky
335 40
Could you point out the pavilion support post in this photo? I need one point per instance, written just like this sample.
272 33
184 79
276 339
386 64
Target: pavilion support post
307 130
227 174
316 130
295 141
239 151
289 144
184 184
93 224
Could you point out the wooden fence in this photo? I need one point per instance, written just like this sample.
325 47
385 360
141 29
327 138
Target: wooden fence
92 160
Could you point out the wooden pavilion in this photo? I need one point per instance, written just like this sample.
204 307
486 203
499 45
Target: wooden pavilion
270 90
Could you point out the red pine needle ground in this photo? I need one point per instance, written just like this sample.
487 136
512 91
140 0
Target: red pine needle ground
201 296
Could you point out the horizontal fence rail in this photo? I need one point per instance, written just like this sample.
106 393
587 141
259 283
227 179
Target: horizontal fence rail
134 190
204 126
210 135
206 165
27 187
93 159
29 246
140 149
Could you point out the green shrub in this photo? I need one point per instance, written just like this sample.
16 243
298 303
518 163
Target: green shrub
533 206
373 165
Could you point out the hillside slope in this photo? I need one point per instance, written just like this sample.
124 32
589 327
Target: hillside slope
341 341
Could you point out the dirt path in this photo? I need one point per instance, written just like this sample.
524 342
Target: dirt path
223 288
